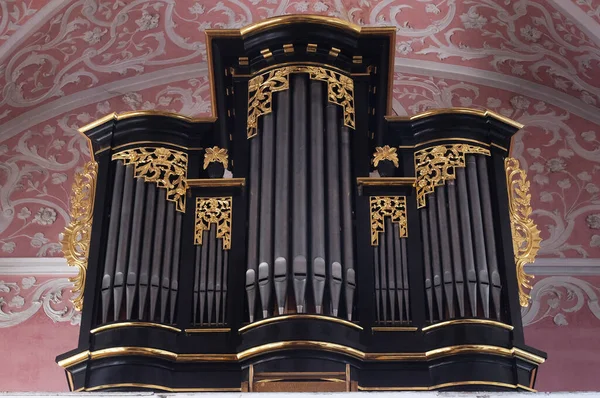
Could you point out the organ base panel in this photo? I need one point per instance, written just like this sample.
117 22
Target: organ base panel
302 238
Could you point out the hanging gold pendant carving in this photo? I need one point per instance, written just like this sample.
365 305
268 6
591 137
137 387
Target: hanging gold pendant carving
216 154
525 234
340 91
387 206
165 167
213 211
385 153
435 165
76 237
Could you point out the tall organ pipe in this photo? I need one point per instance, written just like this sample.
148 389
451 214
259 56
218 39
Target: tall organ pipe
253 224
348 235
300 181
218 276
282 198
435 253
212 260
488 224
265 238
383 277
479 239
427 262
113 233
456 253
405 278
317 195
123 246
225 269
157 250
136 236
167 259
333 200
176 257
447 276
467 238
147 244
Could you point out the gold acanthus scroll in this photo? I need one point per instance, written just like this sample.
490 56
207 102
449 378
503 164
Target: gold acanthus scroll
76 237
387 206
525 234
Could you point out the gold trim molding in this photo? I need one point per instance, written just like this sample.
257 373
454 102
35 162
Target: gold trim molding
134 325
340 91
385 181
452 384
435 165
161 387
303 345
525 234
292 317
387 206
464 111
385 153
451 322
127 115
165 167
213 211
216 154
215 182
76 236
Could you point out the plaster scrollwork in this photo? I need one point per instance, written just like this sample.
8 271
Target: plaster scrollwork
22 299
558 297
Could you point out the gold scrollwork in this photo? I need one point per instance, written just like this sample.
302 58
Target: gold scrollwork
216 154
213 211
166 167
387 206
76 237
435 165
385 153
525 234
340 91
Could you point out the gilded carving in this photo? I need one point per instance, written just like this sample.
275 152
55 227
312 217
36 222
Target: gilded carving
435 165
216 154
385 153
525 234
340 91
213 211
165 167
76 237
387 206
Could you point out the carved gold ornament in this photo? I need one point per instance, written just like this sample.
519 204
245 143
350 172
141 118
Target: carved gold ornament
435 165
76 237
385 153
216 154
166 167
387 206
340 91
525 234
213 211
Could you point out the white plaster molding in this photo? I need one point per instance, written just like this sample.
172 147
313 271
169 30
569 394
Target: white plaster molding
97 94
55 266
580 18
37 20
499 81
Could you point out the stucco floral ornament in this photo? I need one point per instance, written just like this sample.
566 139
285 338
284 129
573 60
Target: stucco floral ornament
385 153
76 237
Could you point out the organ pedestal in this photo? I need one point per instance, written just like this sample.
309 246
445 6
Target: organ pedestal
302 238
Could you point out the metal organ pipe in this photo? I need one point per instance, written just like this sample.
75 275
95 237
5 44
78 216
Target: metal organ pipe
176 257
455 238
347 227
333 203
253 224
147 244
427 262
281 250
391 262
447 276
467 238
435 253
136 235
157 247
167 258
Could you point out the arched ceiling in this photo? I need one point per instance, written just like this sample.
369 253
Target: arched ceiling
64 63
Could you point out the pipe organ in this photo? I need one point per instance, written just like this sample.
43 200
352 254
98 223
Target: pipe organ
302 238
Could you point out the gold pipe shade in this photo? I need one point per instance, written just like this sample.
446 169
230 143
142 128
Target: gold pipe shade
387 206
525 234
340 91
214 211
435 165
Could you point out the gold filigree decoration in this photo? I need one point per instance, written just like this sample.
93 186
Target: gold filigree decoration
216 154
387 206
435 165
213 211
76 236
166 167
385 153
525 234
340 91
